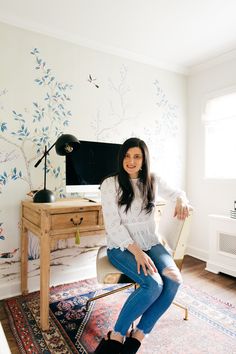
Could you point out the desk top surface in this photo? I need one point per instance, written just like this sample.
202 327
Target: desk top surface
67 204
61 204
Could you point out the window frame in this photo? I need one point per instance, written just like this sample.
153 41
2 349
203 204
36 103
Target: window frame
210 96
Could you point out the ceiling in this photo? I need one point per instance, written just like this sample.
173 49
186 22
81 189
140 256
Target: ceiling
174 34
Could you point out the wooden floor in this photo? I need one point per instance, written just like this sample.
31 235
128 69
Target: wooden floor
219 285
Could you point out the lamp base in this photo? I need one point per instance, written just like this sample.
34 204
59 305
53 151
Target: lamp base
44 196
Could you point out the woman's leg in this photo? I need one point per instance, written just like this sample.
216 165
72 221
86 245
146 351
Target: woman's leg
171 281
142 298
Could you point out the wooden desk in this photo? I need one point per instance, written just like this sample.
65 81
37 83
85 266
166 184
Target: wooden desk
51 222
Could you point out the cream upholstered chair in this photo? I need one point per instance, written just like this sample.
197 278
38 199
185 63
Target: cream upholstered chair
173 233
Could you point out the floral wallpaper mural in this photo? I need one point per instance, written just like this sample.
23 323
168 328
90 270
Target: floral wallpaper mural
167 127
49 117
57 87
117 108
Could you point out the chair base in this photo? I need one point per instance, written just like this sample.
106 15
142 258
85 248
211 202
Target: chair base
127 287
108 293
184 308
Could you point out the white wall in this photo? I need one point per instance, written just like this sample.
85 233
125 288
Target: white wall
207 196
133 99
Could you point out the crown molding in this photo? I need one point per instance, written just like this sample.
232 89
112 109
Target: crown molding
68 37
220 59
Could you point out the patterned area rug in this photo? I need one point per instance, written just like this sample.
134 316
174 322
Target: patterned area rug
211 328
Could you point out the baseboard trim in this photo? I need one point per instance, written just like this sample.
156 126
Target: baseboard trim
197 253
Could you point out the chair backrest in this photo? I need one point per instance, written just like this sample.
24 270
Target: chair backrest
174 233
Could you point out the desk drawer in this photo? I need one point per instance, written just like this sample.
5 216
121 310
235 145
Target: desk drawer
84 220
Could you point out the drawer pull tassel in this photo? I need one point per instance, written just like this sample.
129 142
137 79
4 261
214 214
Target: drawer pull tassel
77 234
77 237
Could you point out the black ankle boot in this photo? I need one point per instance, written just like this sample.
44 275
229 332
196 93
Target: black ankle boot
109 346
131 345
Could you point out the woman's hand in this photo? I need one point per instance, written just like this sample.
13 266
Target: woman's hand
142 259
182 209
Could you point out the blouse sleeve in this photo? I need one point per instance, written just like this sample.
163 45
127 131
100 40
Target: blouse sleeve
116 232
165 191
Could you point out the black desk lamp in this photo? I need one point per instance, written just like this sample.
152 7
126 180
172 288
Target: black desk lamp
63 145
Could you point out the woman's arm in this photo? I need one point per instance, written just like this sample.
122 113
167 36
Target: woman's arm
142 259
182 206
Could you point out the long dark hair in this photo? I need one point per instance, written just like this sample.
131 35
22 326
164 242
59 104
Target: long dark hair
146 180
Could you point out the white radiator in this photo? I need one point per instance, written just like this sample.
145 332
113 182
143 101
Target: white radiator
222 245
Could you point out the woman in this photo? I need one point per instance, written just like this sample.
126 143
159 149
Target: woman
128 201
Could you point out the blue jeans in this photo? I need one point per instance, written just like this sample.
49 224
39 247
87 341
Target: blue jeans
155 293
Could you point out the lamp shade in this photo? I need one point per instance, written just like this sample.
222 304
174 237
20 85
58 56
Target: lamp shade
65 144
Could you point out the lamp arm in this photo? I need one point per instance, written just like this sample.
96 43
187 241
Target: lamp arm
45 153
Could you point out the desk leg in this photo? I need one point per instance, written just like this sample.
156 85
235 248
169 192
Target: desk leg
44 281
24 259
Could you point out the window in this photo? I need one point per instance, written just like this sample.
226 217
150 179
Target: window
220 136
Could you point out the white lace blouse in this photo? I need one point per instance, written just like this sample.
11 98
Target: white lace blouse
136 225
